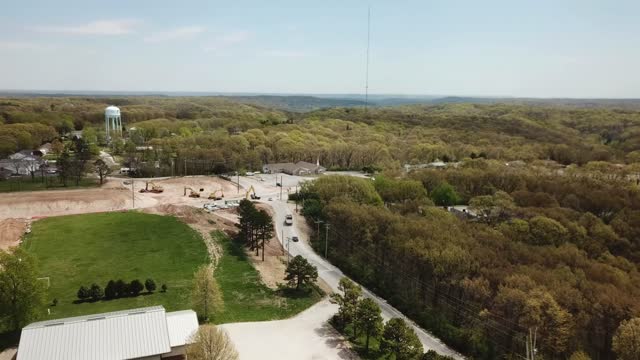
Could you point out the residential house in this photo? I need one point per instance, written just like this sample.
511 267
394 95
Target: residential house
144 333
22 163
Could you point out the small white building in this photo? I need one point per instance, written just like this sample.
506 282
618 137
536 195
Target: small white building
144 333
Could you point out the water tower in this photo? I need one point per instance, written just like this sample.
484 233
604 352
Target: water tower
112 121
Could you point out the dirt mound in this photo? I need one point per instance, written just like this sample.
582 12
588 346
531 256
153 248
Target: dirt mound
11 230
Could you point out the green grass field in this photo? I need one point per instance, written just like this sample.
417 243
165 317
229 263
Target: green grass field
245 297
52 183
81 249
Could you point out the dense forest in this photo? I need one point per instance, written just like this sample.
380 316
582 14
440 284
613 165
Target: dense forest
214 134
554 253
549 241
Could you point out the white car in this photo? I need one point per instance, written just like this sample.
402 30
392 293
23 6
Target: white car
249 173
288 220
211 207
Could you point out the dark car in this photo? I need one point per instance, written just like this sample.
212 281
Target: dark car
295 239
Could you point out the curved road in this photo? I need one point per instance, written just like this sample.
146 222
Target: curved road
328 272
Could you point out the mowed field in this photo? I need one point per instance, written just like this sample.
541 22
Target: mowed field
79 250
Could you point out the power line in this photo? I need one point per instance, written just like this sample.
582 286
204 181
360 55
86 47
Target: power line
492 325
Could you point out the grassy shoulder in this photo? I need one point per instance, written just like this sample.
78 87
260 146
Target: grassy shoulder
50 183
245 296
94 248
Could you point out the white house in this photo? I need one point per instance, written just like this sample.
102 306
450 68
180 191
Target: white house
144 333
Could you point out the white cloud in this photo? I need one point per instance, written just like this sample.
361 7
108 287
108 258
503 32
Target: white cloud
285 53
185 32
99 27
227 40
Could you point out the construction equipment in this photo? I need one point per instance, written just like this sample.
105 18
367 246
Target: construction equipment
192 193
214 195
253 194
154 188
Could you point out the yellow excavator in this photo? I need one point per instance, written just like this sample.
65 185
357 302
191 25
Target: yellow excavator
252 192
192 193
214 195
154 188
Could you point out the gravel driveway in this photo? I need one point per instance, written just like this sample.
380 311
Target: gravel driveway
305 336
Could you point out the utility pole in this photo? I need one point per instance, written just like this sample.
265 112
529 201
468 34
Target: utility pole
282 238
238 173
281 187
185 167
326 240
133 195
296 198
318 222
288 253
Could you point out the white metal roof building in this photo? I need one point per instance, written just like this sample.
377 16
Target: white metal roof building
148 333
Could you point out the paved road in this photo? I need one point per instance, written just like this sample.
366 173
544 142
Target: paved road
329 273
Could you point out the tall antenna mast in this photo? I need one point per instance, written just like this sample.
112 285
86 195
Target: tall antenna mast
366 84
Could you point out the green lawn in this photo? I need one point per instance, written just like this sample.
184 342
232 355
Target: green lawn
81 249
245 297
52 183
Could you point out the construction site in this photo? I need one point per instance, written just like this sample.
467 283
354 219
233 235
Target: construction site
18 209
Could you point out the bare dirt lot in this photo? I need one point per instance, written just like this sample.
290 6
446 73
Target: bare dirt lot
113 195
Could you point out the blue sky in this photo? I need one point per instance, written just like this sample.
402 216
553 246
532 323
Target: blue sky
543 48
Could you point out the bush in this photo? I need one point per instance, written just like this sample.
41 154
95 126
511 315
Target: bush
150 285
120 289
95 292
83 293
54 302
164 287
136 287
110 291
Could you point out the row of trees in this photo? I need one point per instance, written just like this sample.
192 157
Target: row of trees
117 289
256 226
481 284
363 316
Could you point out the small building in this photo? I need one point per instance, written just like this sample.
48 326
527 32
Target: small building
462 212
300 168
144 333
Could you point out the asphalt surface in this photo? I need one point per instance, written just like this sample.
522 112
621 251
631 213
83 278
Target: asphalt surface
265 187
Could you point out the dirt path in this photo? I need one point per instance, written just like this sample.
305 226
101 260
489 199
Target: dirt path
11 230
